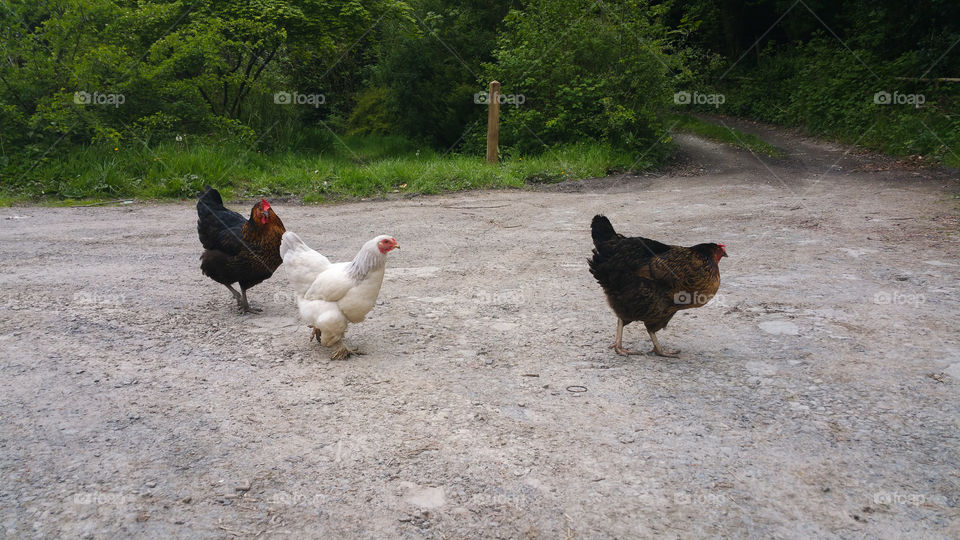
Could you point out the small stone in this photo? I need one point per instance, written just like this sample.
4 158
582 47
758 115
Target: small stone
186 500
151 484
243 486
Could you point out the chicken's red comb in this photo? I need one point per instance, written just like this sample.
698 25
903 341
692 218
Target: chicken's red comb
264 204
721 245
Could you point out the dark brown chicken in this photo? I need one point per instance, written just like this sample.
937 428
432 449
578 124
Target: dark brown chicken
238 250
648 281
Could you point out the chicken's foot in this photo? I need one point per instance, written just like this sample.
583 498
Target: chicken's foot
316 333
244 305
658 350
618 345
343 352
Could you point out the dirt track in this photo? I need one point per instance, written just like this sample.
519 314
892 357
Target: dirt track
817 395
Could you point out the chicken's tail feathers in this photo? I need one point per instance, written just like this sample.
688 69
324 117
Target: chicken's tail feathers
601 230
209 199
291 242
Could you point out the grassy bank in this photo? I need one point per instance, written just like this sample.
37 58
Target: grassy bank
351 167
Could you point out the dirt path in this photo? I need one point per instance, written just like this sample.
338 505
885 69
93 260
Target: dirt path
817 395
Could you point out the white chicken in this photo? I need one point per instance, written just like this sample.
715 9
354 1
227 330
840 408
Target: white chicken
331 295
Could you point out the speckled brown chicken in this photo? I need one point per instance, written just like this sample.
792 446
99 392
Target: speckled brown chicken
648 281
238 250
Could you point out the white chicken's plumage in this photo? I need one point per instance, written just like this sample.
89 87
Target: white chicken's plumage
331 295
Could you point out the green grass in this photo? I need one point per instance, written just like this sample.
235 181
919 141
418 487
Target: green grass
361 166
746 141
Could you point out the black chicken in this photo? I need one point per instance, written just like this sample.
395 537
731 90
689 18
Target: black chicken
648 281
238 250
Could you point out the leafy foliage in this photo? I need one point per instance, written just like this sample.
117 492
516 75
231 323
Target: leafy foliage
820 65
586 71
88 87
112 73
430 73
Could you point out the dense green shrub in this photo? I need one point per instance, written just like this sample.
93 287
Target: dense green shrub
574 70
430 74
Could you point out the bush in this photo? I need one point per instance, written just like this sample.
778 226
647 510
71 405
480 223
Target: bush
371 115
575 71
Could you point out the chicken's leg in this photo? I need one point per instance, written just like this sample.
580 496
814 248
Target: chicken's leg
617 345
244 305
236 296
658 350
316 333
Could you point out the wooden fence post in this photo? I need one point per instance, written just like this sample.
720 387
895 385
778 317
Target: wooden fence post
493 121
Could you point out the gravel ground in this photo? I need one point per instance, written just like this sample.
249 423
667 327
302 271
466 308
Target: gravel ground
816 395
